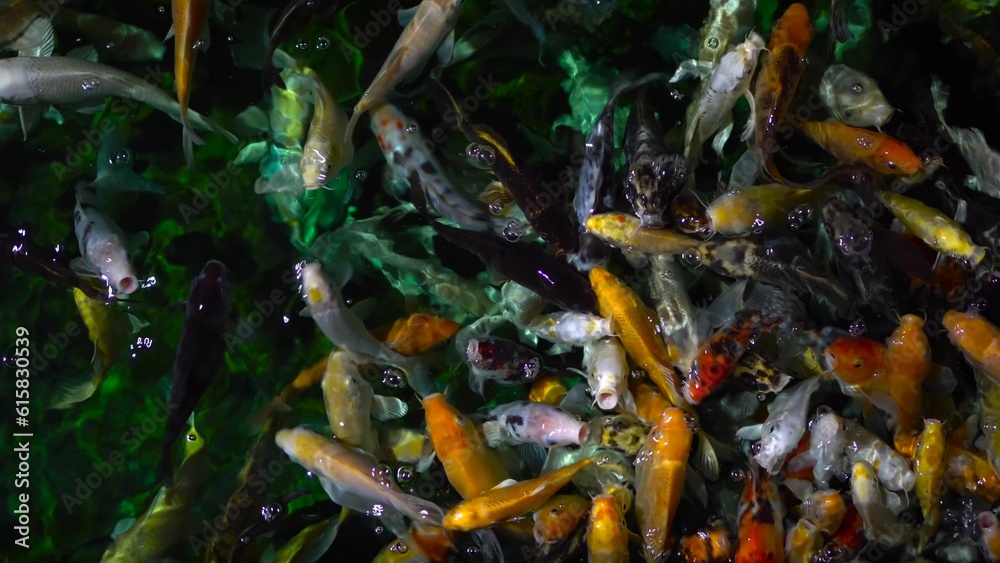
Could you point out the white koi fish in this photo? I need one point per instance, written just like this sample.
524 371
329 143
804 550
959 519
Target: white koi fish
784 427
577 329
524 422
881 525
410 157
102 243
607 374
432 26
712 111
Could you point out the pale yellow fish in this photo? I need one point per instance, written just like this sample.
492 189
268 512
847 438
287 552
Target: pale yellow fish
505 502
348 399
325 152
660 468
101 321
929 466
760 207
432 23
164 524
936 229
623 231
803 542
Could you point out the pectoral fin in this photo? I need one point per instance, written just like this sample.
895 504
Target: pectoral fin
37 40
29 118
388 408
446 50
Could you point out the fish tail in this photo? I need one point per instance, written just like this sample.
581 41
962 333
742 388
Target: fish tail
707 460
188 138
77 392
352 123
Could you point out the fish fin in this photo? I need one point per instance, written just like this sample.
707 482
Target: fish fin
259 419
426 462
489 546
76 392
751 119
46 43
719 142
83 268
405 16
254 152
85 53
305 312
114 173
726 304
447 49
504 483
493 432
576 400
136 323
745 171
532 455
750 433
707 462
800 488
170 33
883 401
894 501
626 402
254 118
365 308
29 115
388 408
188 140
940 381
121 527
694 484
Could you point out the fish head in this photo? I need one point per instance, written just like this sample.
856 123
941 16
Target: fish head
826 509
689 215
775 443
112 259
827 438
897 158
855 361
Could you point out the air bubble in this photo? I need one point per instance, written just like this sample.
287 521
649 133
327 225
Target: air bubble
761 397
691 258
866 142
405 474
481 155
393 378
271 511
858 328
737 475
713 42
302 45
473 551
411 128
513 231
496 208
379 530
400 547
121 158
676 95
360 175
322 43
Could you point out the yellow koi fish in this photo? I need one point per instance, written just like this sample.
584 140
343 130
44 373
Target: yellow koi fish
929 466
936 229
190 29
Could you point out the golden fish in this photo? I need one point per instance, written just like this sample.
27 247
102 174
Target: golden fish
936 229
506 502
190 19
558 517
929 466
623 231
607 534
707 545
100 319
659 479
548 389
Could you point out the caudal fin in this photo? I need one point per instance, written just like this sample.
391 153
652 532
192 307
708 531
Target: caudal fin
188 140
76 392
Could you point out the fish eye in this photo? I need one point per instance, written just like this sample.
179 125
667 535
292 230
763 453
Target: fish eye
554 511
858 363
848 112
857 88
891 165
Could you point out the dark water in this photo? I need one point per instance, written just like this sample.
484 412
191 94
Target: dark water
92 465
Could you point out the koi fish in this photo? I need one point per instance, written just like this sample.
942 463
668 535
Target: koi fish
577 329
827 442
350 479
718 355
627 233
100 319
777 81
854 98
28 81
607 373
936 229
502 361
753 208
432 28
103 245
472 468
548 389
727 22
351 403
113 38
761 511
785 425
653 176
420 545
892 469
760 374
977 339
711 111
989 535
929 467
707 545
27 28
558 517
607 533
523 422
200 353
190 31
412 160
162 525
853 145
969 473
678 318
509 500
659 479
803 543
881 524
824 509
417 333
907 364
984 162
324 153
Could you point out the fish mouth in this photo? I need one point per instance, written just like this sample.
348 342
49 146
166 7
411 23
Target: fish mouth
607 399
127 285
583 434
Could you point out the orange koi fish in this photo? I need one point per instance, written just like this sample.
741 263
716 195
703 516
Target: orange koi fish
417 333
977 338
777 81
707 545
607 534
190 19
853 145
970 473
659 479
649 402
472 468
558 518
718 355
907 362
762 532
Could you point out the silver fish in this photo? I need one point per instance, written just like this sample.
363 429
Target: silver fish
983 160
881 525
102 243
727 22
26 81
785 424
677 315
607 374
854 97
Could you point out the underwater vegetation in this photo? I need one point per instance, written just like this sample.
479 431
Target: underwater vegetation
470 280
